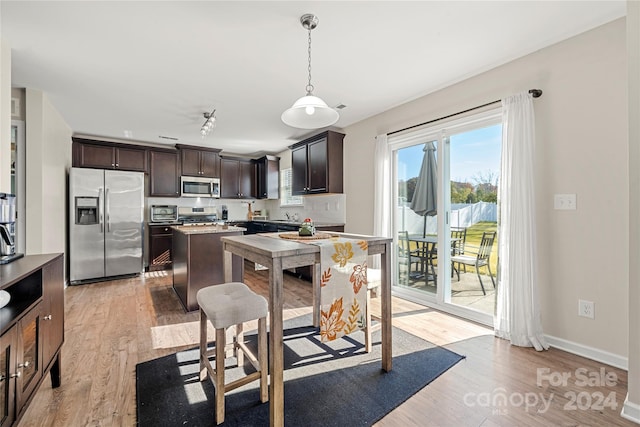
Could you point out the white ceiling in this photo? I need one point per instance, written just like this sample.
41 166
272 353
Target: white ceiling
154 67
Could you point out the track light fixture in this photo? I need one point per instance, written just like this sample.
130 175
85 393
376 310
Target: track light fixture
209 123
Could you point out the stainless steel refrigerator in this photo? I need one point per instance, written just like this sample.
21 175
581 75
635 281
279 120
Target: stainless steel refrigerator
106 224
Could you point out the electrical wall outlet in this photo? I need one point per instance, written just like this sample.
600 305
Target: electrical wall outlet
586 309
564 202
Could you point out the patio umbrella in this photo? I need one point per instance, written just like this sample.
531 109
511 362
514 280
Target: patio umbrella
426 192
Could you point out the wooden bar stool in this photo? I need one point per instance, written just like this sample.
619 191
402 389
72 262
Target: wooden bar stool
226 305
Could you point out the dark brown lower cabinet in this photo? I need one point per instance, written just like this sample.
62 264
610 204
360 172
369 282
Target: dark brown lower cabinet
31 329
198 262
160 242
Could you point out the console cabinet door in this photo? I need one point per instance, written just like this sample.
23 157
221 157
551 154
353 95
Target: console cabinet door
29 354
52 309
164 174
8 347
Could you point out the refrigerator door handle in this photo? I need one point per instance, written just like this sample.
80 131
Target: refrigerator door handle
100 211
106 203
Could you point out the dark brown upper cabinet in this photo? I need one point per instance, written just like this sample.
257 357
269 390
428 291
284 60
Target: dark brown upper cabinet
89 153
199 161
268 177
317 163
164 173
237 178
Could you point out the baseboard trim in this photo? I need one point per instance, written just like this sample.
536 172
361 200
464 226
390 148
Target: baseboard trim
630 411
589 352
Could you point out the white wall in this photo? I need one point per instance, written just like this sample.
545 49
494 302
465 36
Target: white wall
48 160
582 148
632 405
5 117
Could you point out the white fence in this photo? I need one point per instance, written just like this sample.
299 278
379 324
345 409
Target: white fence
462 215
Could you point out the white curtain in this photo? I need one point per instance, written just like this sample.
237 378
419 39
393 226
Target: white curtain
382 191
518 312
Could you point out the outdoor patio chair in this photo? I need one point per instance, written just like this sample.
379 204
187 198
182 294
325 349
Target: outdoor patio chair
481 259
458 240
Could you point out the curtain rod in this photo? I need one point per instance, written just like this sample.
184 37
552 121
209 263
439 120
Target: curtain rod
536 93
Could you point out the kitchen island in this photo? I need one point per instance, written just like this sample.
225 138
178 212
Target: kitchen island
198 260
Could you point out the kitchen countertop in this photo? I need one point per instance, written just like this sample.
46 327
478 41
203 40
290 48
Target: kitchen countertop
297 223
206 229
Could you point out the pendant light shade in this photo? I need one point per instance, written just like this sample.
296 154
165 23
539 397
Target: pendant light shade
310 112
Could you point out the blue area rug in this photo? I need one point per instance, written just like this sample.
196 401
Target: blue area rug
326 384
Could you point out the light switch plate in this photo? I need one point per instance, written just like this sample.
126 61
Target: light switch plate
564 202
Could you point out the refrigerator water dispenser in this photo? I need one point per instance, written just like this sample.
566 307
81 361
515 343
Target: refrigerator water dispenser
86 212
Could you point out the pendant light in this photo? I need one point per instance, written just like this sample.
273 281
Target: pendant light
309 112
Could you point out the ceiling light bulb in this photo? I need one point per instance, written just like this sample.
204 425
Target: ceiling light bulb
309 109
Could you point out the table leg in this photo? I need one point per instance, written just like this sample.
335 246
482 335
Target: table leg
385 299
228 267
315 269
276 357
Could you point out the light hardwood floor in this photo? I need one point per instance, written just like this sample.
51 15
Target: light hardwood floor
111 326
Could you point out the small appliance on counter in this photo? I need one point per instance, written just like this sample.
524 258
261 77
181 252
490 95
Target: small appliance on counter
225 213
198 216
165 214
8 229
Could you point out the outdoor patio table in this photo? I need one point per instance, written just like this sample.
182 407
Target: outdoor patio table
280 254
429 244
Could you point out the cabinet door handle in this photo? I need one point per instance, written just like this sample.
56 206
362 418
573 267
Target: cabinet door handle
47 317
16 375
24 365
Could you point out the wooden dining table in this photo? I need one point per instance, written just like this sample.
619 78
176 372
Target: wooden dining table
279 254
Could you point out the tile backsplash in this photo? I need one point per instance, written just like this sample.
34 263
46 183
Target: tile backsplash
328 208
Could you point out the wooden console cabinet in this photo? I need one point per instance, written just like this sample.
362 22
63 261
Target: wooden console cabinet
31 330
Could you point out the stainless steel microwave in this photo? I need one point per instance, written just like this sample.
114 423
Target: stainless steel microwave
197 186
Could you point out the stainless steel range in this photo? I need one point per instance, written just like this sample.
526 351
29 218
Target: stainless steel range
198 216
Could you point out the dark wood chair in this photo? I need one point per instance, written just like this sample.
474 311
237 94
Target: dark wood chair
479 259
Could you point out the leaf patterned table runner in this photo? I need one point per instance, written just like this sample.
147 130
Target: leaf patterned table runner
343 286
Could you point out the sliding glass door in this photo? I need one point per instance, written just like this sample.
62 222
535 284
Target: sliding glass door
445 214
